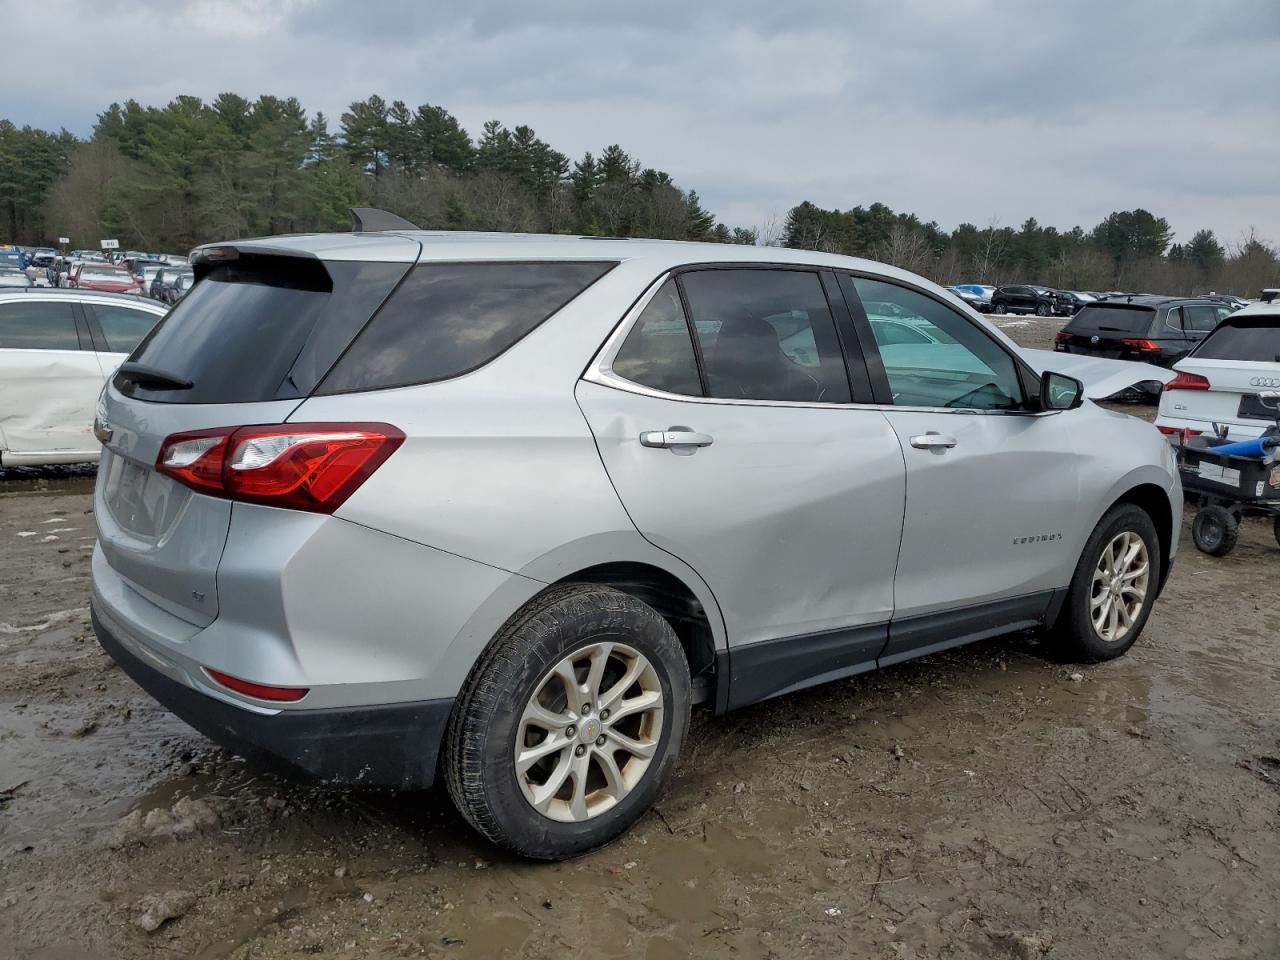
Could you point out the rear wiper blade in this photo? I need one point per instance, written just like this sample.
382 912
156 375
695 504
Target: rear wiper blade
1115 329
153 377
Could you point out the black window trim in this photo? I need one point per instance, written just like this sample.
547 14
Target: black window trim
599 369
1028 379
319 391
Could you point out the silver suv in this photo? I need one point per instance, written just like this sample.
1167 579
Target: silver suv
508 506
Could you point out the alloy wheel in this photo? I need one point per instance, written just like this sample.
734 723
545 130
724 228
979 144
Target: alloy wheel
589 732
1120 584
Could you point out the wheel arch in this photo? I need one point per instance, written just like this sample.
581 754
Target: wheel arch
1153 500
676 603
631 564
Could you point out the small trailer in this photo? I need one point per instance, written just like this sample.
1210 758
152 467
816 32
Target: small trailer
1232 480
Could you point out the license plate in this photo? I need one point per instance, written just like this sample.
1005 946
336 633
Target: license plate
1252 408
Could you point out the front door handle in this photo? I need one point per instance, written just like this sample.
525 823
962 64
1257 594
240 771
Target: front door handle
933 440
674 438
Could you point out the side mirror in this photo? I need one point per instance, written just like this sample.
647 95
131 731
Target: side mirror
1060 392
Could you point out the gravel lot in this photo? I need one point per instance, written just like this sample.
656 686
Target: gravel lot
986 802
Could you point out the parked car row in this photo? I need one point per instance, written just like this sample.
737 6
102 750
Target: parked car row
169 284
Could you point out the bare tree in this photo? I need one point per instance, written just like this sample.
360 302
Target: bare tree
771 231
905 247
987 260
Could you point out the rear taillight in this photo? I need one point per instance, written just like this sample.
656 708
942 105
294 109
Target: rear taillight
259 690
1062 336
299 466
1187 381
1144 346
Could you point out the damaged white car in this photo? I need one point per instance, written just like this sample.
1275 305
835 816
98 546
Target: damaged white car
57 349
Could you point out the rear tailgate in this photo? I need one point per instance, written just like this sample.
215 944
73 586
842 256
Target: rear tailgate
162 538
1100 330
249 342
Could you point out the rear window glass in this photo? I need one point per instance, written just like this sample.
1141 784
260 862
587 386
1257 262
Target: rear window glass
449 318
1112 317
1239 340
261 328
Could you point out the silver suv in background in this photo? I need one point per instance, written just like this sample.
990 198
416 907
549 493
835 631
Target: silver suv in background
379 504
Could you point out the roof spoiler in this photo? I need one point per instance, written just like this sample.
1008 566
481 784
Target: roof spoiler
371 219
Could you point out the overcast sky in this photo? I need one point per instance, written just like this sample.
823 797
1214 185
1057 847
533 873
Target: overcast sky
957 110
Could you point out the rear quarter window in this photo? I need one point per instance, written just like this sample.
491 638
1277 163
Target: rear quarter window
447 319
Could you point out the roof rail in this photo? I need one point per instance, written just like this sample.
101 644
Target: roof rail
371 219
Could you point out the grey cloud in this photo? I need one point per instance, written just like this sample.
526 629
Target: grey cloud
956 111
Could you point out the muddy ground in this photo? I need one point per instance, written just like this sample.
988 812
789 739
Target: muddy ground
987 802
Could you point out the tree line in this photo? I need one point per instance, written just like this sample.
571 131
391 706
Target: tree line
1129 250
168 178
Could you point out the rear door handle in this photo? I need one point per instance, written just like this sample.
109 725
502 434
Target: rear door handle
933 441
675 437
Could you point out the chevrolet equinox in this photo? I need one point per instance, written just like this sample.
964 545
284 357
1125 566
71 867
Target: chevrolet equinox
383 504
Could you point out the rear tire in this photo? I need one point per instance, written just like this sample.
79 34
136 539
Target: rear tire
1113 589
1215 530
1275 528
586 787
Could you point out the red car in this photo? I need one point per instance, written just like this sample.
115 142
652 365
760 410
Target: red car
105 277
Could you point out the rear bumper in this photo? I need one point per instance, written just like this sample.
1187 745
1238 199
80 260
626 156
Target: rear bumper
380 746
1236 429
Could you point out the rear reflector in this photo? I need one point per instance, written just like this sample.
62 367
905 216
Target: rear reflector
1179 434
298 466
1188 381
259 690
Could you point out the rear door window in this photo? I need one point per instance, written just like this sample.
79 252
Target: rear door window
766 335
447 319
261 328
1243 339
124 327
1199 318
38 326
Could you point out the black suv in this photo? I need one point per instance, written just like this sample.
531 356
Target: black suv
1023 298
1160 330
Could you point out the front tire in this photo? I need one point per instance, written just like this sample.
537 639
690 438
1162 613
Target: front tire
1042 309
571 723
1113 589
1001 308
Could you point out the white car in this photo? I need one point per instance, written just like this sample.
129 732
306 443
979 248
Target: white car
1219 382
57 348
